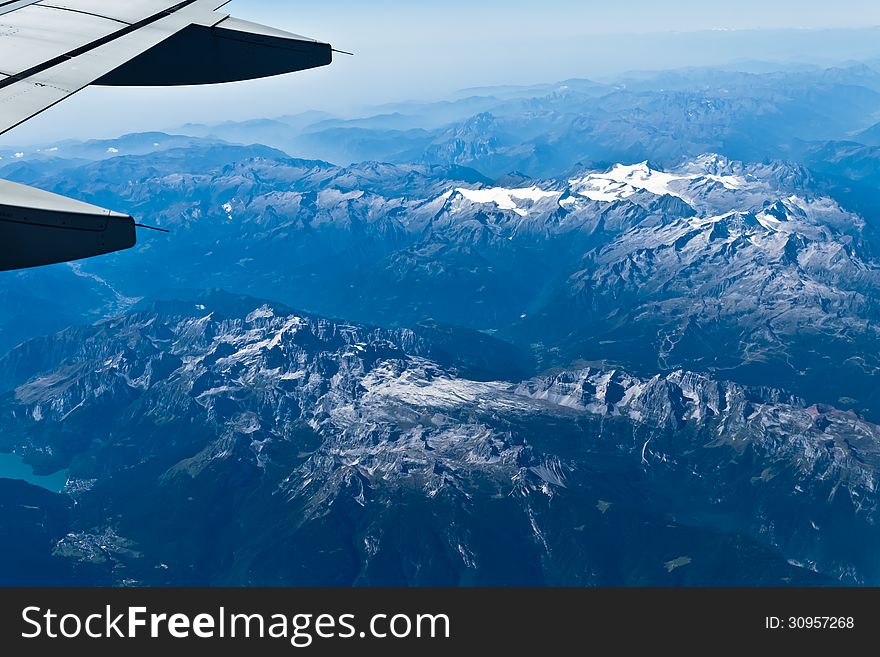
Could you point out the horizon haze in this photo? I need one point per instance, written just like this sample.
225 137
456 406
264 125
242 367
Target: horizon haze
432 51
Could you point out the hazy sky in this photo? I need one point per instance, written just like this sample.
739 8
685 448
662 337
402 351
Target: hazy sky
428 49
438 20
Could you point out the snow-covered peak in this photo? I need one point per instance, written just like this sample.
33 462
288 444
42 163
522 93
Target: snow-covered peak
263 312
620 182
711 163
711 184
623 181
506 199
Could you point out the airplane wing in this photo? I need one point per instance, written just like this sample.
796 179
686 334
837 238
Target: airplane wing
51 49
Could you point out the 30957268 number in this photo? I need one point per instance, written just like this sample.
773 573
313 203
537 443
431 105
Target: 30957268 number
810 623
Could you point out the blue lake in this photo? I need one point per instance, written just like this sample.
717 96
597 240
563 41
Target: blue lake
12 467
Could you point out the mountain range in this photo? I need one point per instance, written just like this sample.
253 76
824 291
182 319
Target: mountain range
571 334
747 271
227 440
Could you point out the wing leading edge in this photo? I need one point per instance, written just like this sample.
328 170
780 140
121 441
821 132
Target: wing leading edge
50 50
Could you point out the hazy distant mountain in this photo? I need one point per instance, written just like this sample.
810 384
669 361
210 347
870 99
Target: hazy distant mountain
99 149
545 130
871 136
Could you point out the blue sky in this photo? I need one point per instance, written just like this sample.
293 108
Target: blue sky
428 49
552 17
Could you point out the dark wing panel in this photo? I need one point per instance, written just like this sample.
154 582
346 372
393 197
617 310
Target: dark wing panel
38 228
230 51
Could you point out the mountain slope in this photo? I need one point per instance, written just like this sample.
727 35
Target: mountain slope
748 270
226 440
